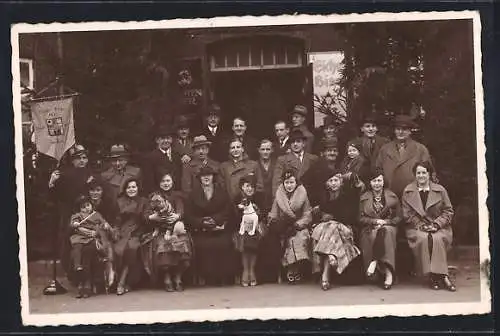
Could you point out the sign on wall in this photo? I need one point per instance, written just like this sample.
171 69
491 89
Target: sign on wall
328 95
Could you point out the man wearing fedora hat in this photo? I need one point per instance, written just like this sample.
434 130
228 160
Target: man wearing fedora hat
397 157
201 149
299 116
214 132
161 160
120 171
183 141
282 143
297 159
329 130
370 141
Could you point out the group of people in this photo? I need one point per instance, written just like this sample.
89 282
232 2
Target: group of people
221 206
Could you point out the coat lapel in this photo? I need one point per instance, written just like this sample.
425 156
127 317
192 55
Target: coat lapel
433 198
412 196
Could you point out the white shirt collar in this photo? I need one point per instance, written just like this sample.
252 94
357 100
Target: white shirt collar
167 152
285 139
428 188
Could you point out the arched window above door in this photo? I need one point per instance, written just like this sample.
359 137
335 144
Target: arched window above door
255 53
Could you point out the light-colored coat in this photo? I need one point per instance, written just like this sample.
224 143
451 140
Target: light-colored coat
368 218
289 161
398 169
438 210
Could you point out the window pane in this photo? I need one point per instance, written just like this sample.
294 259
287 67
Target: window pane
280 55
256 61
293 57
219 60
268 55
243 54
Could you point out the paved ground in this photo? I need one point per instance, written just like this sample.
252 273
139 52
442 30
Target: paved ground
264 296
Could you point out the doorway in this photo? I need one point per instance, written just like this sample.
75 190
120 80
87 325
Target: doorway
261 97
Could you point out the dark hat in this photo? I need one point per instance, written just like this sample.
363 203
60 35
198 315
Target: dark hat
206 170
213 109
368 119
328 173
374 173
200 140
291 172
164 131
181 122
118 150
250 178
297 134
356 144
76 151
300 109
404 121
329 121
329 143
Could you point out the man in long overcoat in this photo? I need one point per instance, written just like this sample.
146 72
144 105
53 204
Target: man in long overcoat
215 133
397 158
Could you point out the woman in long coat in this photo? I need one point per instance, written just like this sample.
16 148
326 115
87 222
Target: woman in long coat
208 214
428 212
379 216
290 215
129 223
166 253
334 236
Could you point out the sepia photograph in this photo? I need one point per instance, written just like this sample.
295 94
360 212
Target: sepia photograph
274 167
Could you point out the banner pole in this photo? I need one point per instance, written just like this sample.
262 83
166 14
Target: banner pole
54 287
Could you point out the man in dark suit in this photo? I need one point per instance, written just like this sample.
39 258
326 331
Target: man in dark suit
370 141
297 159
250 145
161 160
183 141
281 145
215 134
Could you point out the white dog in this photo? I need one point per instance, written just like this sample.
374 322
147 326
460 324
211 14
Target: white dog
249 220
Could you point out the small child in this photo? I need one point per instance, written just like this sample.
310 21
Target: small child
250 219
164 209
354 164
90 227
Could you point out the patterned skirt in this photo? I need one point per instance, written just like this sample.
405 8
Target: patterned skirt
336 239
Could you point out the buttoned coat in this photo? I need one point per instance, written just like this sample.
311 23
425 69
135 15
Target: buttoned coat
115 180
231 172
439 210
291 161
155 164
398 169
266 177
368 219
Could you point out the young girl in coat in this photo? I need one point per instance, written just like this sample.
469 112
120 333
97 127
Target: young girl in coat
89 227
